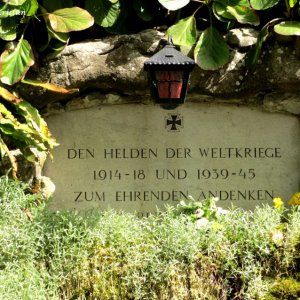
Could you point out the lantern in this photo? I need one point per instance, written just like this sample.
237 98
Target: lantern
168 73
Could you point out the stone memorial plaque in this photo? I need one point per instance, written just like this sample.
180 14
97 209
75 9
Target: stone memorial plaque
139 157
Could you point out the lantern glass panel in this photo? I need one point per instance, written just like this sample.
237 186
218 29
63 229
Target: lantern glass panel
169 84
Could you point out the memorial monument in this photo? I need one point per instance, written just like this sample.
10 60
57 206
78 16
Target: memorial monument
140 157
120 150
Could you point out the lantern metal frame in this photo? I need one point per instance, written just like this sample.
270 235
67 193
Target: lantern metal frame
171 63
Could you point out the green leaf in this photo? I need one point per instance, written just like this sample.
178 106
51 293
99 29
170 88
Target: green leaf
30 7
15 63
263 4
61 36
288 28
26 132
243 15
254 53
70 19
173 4
57 47
9 125
221 12
14 2
33 132
105 12
292 3
22 134
8 29
211 51
35 121
184 33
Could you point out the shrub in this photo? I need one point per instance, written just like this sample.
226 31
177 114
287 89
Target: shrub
109 255
284 288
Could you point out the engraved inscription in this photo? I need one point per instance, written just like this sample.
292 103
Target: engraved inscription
121 157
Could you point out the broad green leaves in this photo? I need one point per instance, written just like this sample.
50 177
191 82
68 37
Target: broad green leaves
263 4
184 32
61 22
173 4
243 14
221 12
15 63
61 36
37 124
31 132
70 19
105 12
288 28
30 7
21 126
211 51
25 127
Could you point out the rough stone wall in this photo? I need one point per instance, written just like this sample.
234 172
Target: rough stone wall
111 71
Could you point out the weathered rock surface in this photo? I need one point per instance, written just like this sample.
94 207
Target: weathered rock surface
113 67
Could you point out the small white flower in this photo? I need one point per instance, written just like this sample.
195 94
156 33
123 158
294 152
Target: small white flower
202 223
222 211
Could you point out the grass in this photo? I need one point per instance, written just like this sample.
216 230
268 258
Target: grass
174 255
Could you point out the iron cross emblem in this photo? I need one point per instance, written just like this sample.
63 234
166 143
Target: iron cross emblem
174 122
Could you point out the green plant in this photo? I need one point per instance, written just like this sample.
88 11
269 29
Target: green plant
205 209
31 29
21 126
211 51
109 255
284 288
18 207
